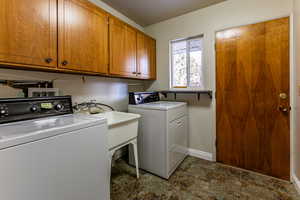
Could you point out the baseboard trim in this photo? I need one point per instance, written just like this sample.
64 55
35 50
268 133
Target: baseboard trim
296 182
201 154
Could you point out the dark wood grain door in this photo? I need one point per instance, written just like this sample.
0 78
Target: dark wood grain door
28 32
253 110
83 36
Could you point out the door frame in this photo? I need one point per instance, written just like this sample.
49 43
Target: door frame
293 87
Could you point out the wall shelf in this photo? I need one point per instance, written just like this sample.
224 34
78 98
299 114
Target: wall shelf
198 93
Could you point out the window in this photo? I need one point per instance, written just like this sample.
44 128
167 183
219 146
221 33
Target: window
187 63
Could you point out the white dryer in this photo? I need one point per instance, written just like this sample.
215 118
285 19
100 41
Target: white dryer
163 133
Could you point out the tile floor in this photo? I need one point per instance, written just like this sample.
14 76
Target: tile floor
197 179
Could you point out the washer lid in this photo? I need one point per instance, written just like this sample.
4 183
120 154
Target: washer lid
12 134
159 105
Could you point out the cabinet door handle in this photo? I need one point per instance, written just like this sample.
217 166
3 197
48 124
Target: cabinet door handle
139 73
48 60
133 72
64 63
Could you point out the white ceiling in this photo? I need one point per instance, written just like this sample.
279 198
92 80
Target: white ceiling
147 12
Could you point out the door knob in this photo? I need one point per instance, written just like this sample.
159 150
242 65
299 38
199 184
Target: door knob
283 95
284 109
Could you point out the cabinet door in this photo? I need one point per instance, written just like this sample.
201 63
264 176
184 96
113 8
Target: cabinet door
83 36
143 57
28 32
146 57
152 52
122 49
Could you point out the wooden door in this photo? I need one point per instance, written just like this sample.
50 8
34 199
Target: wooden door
253 97
123 48
83 36
28 32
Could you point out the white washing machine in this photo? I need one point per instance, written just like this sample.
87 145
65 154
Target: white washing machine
50 153
163 133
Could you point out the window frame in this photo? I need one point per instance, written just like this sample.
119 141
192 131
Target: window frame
171 61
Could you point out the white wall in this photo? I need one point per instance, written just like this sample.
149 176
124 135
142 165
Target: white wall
110 91
207 21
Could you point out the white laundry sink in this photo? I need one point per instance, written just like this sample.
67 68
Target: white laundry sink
122 127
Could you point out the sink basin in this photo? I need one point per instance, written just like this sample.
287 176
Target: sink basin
122 127
116 118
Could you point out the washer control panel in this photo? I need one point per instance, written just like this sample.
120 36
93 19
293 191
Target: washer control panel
136 98
17 109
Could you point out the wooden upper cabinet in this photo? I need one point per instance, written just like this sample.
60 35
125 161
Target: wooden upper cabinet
122 48
73 35
28 32
82 36
146 57
143 57
152 52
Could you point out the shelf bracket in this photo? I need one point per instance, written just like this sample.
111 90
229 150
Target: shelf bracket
165 94
210 95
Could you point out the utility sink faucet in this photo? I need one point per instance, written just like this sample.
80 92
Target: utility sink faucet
92 107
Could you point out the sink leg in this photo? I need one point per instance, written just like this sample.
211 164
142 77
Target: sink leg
110 157
134 144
